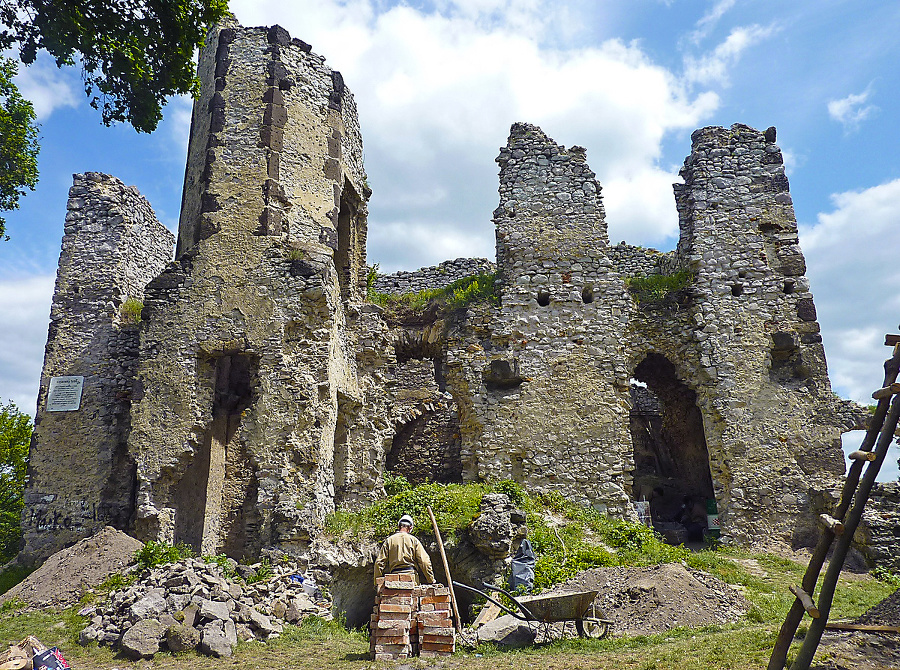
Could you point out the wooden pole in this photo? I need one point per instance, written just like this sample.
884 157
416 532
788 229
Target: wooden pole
440 544
795 615
826 595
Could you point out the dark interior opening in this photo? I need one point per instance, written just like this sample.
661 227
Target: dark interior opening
670 453
543 297
215 498
343 254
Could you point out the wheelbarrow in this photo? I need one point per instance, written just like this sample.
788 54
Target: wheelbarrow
577 606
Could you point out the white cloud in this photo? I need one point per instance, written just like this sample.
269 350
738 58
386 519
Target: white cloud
24 313
712 67
854 275
438 91
852 110
48 87
710 19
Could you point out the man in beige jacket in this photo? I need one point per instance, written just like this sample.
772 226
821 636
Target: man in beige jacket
402 552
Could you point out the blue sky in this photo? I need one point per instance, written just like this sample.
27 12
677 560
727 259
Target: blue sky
439 83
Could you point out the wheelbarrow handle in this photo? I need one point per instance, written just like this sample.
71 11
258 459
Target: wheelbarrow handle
528 616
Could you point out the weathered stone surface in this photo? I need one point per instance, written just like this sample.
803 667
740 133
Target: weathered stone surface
218 638
263 377
180 637
498 527
210 609
150 606
142 639
507 631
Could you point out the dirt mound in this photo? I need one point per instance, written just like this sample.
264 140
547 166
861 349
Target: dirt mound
885 613
648 600
67 574
860 650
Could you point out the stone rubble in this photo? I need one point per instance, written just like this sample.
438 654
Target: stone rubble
196 605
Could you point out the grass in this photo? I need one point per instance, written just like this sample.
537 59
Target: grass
656 288
130 311
12 576
480 288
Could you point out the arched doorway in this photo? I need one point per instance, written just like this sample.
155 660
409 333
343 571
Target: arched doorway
670 454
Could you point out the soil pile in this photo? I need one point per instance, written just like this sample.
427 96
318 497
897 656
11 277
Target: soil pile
859 650
69 573
641 601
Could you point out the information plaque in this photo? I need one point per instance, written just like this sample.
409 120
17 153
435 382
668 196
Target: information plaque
65 394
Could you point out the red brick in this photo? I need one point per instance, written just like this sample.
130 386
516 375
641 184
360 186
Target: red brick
442 606
393 616
426 608
436 630
393 607
404 577
427 600
382 656
436 646
441 618
395 590
393 625
397 600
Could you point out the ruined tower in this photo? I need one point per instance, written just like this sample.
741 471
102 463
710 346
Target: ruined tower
80 476
244 353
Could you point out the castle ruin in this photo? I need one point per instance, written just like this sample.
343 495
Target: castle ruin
260 389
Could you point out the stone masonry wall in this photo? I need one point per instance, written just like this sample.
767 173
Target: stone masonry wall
434 277
541 382
80 476
249 398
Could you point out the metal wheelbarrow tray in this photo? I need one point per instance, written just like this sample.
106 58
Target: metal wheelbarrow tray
577 606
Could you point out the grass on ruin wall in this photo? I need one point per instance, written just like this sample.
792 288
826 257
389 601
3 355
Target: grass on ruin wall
655 288
480 288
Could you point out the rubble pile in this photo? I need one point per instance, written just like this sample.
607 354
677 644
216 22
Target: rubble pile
410 620
196 605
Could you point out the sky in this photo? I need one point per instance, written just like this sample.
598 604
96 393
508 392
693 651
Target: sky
438 84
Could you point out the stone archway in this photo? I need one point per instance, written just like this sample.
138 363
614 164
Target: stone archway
670 452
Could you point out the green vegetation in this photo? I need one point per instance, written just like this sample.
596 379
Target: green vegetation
655 288
394 484
155 553
130 311
18 143
480 288
15 437
566 537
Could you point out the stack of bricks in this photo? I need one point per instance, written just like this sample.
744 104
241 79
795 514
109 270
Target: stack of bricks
433 624
410 620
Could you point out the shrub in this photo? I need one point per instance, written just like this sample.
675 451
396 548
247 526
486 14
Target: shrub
130 311
480 288
159 553
394 484
15 438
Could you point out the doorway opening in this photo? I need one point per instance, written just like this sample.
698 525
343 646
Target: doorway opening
670 453
215 498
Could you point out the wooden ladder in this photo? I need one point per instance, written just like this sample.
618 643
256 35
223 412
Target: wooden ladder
839 528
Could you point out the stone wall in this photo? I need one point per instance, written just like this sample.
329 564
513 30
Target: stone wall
878 536
434 277
80 477
541 382
248 387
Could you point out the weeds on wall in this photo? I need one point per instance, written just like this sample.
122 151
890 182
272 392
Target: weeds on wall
480 288
656 288
130 311
155 553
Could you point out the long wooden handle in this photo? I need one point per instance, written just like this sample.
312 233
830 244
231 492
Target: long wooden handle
440 543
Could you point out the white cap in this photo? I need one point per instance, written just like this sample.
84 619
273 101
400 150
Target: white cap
406 519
